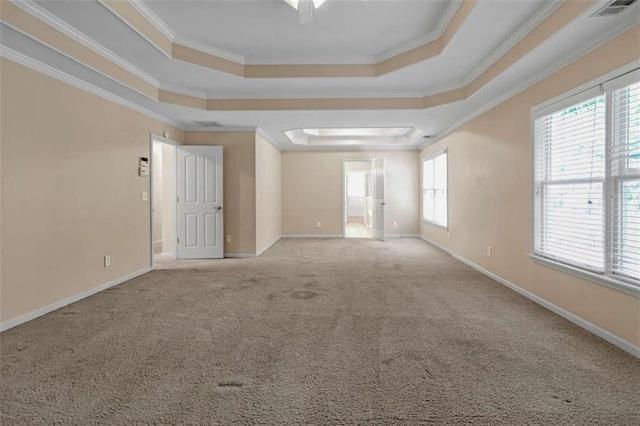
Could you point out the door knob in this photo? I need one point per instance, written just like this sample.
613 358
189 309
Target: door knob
217 208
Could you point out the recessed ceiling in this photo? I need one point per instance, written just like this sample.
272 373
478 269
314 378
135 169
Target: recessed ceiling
268 31
491 51
358 136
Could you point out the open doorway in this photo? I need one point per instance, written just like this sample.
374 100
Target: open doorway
358 199
163 201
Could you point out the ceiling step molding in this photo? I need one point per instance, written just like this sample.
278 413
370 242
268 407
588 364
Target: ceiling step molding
451 11
47 70
538 18
53 21
626 25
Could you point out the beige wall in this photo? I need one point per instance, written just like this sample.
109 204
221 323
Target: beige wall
312 191
239 151
490 196
70 190
268 193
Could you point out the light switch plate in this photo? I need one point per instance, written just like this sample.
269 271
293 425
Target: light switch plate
144 196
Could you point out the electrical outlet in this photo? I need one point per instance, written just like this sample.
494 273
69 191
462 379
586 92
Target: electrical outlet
144 196
228 238
489 251
318 224
107 261
395 224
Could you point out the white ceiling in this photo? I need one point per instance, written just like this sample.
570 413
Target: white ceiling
490 27
267 31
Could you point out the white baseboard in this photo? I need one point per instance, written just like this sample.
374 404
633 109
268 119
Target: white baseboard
391 236
239 255
313 236
268 246
433 243
604 334
13 322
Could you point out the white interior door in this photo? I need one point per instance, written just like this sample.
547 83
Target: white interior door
377 171
200 202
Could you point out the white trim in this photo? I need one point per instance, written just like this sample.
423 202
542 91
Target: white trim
268 246
35 65
439 246
174 244
393 236
183 90
538 18
592 328
106 6
268 138
611 75
345 215
237 256
348 148
625 25
207 48
606 280
13 322
154 19
162 139
313 236
50 19
422 40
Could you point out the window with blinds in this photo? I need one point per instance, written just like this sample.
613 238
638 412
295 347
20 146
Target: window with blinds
434 189
587 182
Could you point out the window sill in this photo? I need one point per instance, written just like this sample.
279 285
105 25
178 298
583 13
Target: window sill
437 225
619 285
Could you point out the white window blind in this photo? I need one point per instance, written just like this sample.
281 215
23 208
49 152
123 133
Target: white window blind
434 189
587 184
625 170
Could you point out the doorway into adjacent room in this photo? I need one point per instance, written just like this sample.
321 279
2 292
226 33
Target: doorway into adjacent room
163 205
358 200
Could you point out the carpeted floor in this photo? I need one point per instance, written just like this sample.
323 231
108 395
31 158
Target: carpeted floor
314 332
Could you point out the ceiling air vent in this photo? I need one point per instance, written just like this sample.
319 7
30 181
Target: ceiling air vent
614 8
208 123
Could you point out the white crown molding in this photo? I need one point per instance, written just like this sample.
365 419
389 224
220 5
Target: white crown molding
153 19
347 148
268 138
48 18
35 65
183 90
626 24
162 26
279 94
427 38
515 38
207 48
199 128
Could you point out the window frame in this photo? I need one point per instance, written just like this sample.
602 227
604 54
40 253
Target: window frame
432 156
604 85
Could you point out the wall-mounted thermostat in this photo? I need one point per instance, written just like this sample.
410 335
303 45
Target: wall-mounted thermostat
143 166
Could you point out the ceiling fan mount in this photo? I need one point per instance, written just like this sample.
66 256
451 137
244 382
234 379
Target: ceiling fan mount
305 8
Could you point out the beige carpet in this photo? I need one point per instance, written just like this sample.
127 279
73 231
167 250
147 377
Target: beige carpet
315 332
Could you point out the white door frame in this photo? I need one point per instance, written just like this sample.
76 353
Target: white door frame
344 188
174 244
